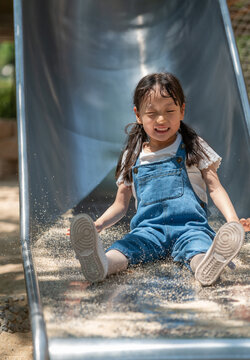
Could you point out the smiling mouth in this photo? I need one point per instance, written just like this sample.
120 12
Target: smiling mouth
161 130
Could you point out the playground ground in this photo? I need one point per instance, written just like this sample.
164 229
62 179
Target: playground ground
16 345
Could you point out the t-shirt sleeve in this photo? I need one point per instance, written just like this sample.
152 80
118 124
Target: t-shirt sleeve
214 158
120 179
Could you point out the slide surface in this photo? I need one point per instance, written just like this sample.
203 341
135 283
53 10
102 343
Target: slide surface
77 65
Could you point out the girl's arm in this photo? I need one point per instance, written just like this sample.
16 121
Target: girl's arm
218 194
117 210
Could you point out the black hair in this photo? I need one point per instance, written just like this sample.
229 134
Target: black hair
169 85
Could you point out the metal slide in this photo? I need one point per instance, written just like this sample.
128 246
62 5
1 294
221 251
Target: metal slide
77 63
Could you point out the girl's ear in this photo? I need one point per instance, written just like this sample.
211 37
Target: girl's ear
137 115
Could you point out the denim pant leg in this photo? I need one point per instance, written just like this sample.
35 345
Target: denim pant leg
142 245
189 244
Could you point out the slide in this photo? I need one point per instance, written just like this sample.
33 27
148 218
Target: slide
77 63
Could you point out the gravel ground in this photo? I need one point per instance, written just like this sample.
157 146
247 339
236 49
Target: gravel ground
154 300
14 314
15 334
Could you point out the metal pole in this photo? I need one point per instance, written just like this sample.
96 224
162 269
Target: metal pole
40 342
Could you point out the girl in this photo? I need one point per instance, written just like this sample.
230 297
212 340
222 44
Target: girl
167 167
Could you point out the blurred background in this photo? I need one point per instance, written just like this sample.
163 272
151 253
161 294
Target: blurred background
8 132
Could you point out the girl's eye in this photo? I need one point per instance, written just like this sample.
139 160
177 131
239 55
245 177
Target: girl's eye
170 111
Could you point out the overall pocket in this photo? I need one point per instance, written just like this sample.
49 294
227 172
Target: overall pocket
162 186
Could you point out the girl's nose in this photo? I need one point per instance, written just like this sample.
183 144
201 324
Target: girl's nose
161 119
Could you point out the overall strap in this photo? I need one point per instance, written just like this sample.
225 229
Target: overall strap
181 152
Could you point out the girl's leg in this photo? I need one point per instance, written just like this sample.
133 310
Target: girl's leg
116 262
226 245
209 258
95 264
88 248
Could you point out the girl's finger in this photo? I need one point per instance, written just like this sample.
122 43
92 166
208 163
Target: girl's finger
245 223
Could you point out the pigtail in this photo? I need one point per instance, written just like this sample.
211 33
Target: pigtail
169 86
194 150
136 137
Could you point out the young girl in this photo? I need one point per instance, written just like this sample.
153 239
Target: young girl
167 167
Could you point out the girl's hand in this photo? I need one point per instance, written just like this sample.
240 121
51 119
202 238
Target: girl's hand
245 223
99 227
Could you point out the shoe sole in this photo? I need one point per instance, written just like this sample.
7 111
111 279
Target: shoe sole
226 245
84 240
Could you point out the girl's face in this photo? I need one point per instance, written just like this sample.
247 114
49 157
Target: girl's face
161 119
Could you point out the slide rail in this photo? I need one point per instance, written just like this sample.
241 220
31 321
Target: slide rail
40 342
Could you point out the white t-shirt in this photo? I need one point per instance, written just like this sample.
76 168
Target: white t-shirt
194 172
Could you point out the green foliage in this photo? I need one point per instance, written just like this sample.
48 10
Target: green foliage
243 44
7 83
7 102
7 53
241 4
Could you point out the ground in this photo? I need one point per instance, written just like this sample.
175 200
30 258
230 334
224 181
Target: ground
73 308
16 345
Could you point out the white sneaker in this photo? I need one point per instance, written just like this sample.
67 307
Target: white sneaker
88 248
226 245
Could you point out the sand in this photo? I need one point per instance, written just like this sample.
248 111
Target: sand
154 300
18 345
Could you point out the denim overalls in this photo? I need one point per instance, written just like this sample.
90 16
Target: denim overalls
170 218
